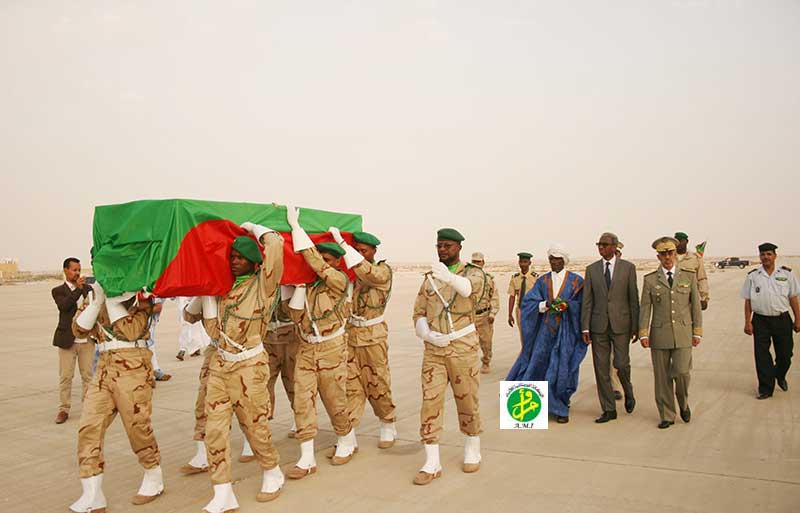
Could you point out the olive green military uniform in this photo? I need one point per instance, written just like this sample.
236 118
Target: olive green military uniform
457 363
691 261
670 316
368 377
239 371
322 353
281 345
488 307
123 383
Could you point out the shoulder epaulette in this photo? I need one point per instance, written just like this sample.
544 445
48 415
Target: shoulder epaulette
754 270
786 268
688 270
381 262
515 275
651 273
535 274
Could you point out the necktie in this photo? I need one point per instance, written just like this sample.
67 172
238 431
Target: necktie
522 290
669 278
608 275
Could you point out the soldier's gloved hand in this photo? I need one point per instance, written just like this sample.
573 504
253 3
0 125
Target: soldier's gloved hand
298 300
286 292
88 317
99 295
300 239
337 235
256 229
438 339
293 216
461 285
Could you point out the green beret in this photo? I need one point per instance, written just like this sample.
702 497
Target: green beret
248 248
330 248
524 254
366 238
681 236
449 234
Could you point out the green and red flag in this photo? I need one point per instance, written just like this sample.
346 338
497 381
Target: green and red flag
701 248
180 247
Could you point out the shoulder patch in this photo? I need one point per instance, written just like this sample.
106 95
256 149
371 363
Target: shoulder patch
786 268
754 270
651 273
515 275
535 274
688 270
381 262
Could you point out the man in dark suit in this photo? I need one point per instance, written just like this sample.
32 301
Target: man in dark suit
67 296
610 321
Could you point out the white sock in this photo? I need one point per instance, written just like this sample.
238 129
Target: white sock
432 464
272 480
224 499
200 459
472 449
307 459
346 445
152 482
387 432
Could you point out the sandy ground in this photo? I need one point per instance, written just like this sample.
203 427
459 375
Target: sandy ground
737 455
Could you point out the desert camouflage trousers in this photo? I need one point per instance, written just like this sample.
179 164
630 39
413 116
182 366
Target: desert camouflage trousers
368 379
282 360
485 334
321 368
461 370
200 402
123 382
240 388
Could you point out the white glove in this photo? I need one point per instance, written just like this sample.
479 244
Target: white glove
209 307
195 306
422 329
337 235
438 339
88 317
255 229
286 292
461 285
293 216
114 307
300 239
298 301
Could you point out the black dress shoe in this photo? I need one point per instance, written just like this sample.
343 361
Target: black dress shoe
562 420
617 395
686 415
665 424
606 416
765 395
180 355
783 384
630 404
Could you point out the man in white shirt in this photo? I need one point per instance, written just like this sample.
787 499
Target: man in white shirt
769 294
67 297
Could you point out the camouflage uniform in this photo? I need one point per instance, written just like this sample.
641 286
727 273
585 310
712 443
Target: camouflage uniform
200 402
488 306
322 353
240 387
515 286
123 382
691 261
368 376
281 345
457 363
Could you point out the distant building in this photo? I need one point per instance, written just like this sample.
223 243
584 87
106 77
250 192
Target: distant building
9 268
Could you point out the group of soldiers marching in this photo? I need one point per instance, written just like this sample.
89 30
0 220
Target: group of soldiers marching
326 338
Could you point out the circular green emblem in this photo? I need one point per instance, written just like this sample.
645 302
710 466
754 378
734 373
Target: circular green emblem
524 404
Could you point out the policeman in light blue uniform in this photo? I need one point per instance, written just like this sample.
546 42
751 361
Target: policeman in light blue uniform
769 293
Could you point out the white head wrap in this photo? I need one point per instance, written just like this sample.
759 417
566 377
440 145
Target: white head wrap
558 251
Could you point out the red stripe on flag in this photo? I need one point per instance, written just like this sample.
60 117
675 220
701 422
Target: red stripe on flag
201 266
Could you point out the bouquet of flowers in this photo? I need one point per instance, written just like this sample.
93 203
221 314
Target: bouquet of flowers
557 306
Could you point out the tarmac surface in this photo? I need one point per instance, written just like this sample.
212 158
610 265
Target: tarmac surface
738 455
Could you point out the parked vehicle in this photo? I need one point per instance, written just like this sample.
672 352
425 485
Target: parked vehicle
732 262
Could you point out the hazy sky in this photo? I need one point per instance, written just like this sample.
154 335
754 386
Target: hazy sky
517 122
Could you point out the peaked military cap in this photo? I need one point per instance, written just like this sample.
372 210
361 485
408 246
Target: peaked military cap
767 246
525 254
